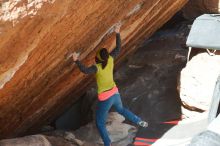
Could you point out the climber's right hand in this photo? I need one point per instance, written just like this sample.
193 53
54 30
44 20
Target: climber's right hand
75 56
117 28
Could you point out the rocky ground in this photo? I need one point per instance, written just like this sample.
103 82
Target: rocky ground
120 133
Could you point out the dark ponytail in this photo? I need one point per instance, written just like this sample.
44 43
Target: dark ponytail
102 57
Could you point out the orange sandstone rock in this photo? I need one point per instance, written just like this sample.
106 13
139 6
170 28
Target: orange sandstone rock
37 79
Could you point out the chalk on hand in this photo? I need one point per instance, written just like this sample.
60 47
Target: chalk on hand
69 55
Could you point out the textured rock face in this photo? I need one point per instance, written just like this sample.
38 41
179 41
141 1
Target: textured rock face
198 7
37 79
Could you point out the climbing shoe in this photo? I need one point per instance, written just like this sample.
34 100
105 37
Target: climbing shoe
143 124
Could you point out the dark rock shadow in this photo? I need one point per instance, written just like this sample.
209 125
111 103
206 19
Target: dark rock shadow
147 80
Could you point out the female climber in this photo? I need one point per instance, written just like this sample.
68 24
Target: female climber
108 94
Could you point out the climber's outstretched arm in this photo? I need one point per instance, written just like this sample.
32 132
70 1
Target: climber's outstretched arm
115 52
87 70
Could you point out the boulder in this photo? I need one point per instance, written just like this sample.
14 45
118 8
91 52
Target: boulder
62 137
33 140
198 80
38 79
55 138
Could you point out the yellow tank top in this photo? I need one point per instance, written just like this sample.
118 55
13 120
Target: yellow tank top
104 77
